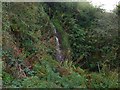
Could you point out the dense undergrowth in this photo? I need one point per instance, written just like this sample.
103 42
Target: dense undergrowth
88 41
48 73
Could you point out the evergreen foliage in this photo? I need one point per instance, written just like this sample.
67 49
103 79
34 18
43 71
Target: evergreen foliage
88 40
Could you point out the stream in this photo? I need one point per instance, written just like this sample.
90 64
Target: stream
59 56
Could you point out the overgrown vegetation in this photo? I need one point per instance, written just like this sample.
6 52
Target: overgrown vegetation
88 40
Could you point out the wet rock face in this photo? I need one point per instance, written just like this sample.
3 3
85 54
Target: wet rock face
59 55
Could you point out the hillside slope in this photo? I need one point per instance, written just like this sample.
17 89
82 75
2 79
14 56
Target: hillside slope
29 46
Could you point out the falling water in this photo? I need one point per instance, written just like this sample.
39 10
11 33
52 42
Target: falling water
58 50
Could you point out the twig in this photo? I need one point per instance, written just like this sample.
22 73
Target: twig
98 66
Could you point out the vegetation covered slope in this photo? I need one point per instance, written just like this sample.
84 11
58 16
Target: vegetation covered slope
88 41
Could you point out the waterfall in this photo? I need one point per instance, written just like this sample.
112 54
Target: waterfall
58 50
